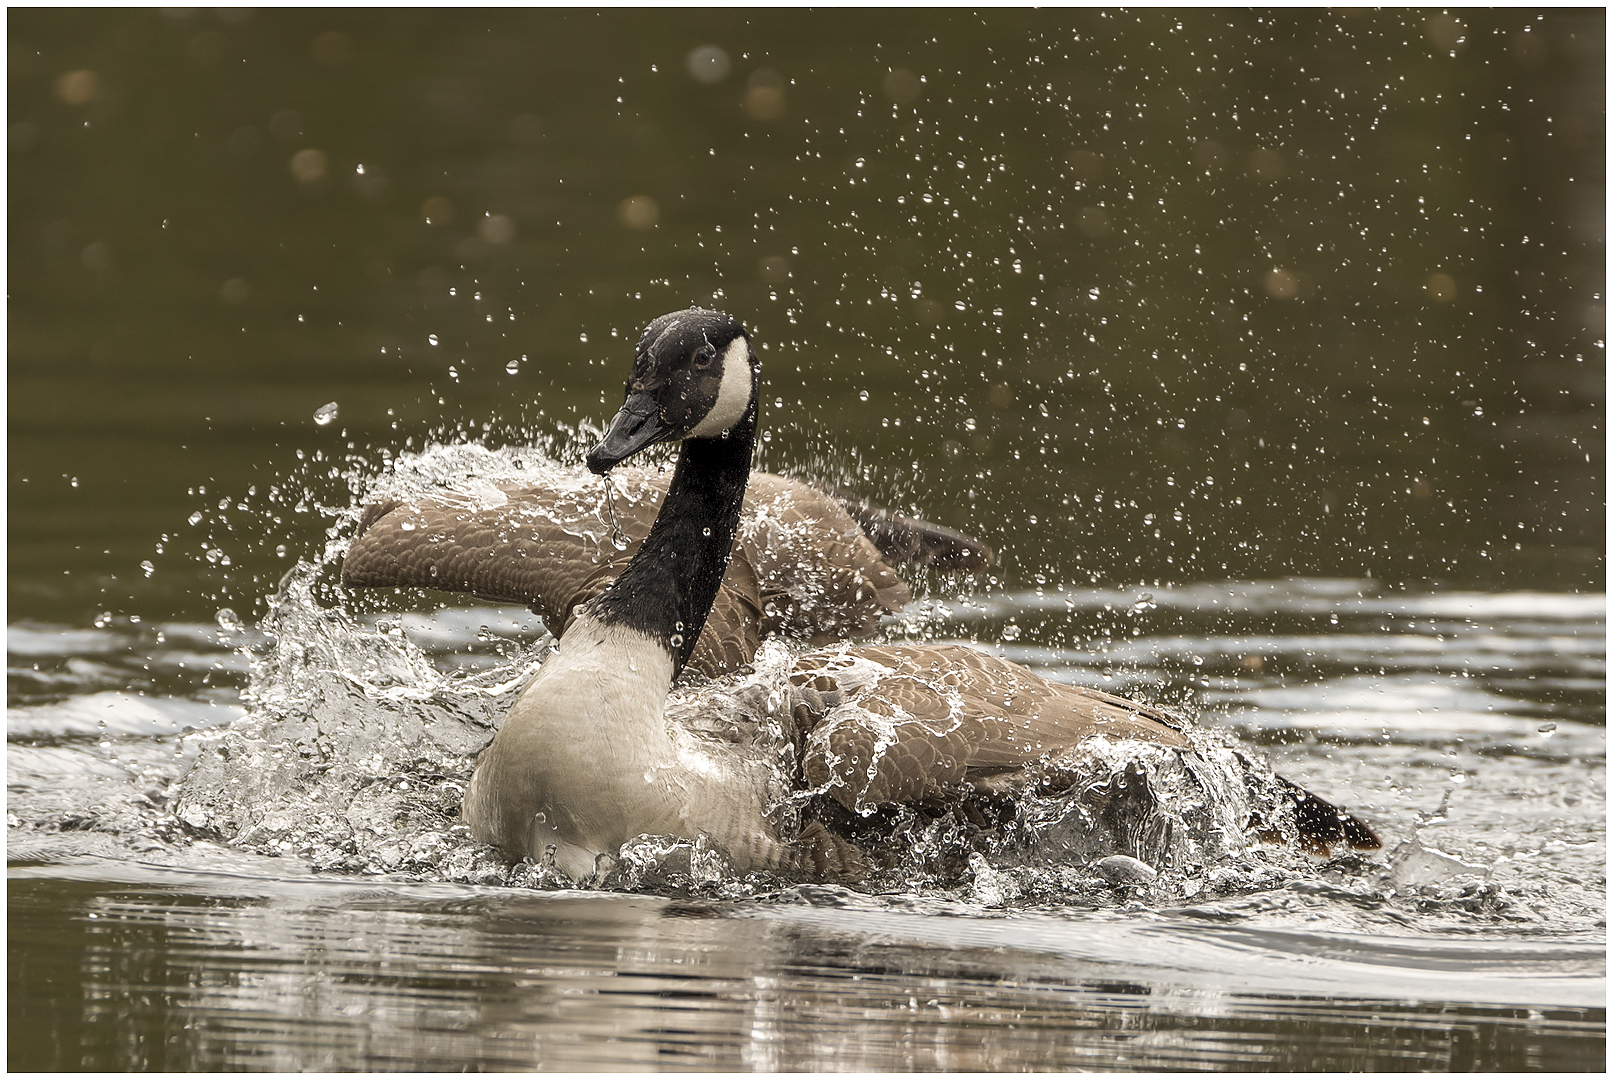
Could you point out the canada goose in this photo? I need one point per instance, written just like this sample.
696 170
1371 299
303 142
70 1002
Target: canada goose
588 759
813 566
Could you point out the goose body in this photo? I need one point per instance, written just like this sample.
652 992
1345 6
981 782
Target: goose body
589 758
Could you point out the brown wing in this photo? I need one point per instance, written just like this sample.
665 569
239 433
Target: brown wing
907 723
821 578
912 723
801 564
546 546
543 545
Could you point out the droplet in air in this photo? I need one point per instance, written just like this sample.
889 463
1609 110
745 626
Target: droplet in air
146 565
513 366
325 413
676 640
618 538
195 518
432 338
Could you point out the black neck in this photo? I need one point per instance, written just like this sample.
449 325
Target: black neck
670 585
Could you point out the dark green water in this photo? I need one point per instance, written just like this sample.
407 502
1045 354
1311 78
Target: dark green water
1163 299
1181 260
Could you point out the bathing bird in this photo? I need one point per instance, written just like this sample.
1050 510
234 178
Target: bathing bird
590 756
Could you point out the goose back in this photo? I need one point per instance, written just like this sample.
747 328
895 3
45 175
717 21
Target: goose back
889 724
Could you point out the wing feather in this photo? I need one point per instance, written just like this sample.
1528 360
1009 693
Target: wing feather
910 723
801 565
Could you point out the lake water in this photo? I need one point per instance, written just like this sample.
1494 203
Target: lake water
1266 349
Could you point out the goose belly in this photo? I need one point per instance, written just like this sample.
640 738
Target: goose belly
585 762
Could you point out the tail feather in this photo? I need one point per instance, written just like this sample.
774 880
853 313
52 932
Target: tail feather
1321 824
914 540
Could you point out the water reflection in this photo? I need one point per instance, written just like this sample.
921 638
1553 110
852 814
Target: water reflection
340 977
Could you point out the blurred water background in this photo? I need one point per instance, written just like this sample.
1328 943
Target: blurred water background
1266 348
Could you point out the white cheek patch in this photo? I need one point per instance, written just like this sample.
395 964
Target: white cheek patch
733 393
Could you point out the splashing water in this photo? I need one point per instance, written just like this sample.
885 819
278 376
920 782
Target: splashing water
356 749
357 744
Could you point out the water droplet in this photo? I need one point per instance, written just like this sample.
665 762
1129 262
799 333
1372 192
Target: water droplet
676 640
432 338
1547 729
146 565
706 531
325 414
406 526
196 518
513 366
280 550
862 395
618 538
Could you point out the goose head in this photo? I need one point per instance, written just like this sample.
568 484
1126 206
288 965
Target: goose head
695 376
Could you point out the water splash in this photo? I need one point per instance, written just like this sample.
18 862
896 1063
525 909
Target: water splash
618 538
357 746
355 749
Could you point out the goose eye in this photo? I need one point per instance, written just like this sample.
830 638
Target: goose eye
704 357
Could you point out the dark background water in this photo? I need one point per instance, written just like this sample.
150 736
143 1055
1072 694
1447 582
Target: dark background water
1136 296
